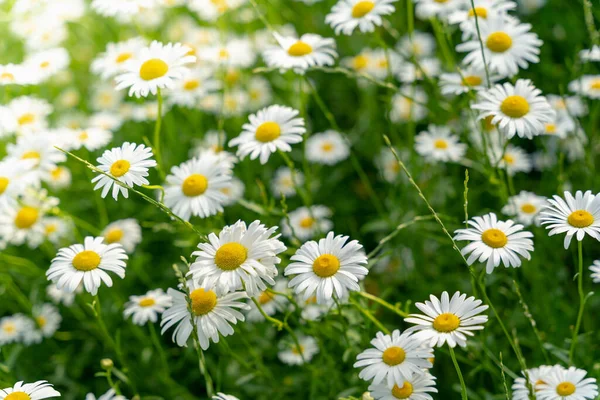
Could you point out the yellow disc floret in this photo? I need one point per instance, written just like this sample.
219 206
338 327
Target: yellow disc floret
26 217
394 355
18 396
194 185
203 301
307 222
362 8
528 208
499 42
3 184
87 260
515 106
565 389
481 12
440 144
472 80
403 392
267 132
326 265
494 238
147 302
230 256
114 235
446 322
580 219
119 168
153 69
300 49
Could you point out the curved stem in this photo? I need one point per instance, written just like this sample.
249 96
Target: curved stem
582 300
463 387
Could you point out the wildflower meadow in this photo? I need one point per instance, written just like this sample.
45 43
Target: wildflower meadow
299 199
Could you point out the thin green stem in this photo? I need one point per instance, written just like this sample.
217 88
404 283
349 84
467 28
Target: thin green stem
396 231
158 346
463 387
582 300
394 308
485 65
370 316
156 144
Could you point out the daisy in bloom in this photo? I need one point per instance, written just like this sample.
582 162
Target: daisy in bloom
31 113
300 54
484 9
40 154
193 86
408 72
518 109
88 263
520 388
127 164
126 232
11 74
46 64
526 207
147 307
283 182
90 138
495 241
587 86
426 9
106 120
291 355
508 46
579 215
307 222
438 144
236 52
448 320
210 10
110 395
468 79
595 268
11 329
269 302
29 391
155 67
271 129
120 8
194 187
47 319
212 314
418 45
514 159
416 387
567 106
239 254
327 148
590 55
404 105
233 192
347 15
388 165
393 359
223 396
330 266
12 180
567 384
113 61
259 92
58 178
61 296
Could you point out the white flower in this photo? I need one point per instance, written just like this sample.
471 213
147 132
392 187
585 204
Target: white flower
113 61
11 74
291 355
418 45
45 64
238 255
236 52
404 107
147 307
106 120
468 79
30 113
13 180
212 314
328 148
126 232
283 182
515 109
586 85
210 10
417 387
438 144
514 159
223 396
329 267
508 46
58 178
233 192
408 72
567 384
307 222
47 319
485 10
372 62
269 302
91 138
394 359
309 50
155 67
35 391
12 328
590 55
87 263
495 241
448 320
579 215
271 129
526 207
61 296
520 388
595 268
120 8
567 106
128 164
426 9
347 15
194 85
39 151
110 395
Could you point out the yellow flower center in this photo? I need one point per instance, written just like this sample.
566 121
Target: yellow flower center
565 389
232 76
528 208
87 260
550 128
307 222
26 217
441 1
123 57
9 327
50 229
440 144
114 235
230 256
295 350
494 238
326 265
147 302
153 68
203 301
487 123
32 155
191 84
7 76
446 322
299 49
56 172
45 64
360 62
18 396
515 106
510 160
595 84
406 390
580 219
83 136
119 168
499 42
268 131
41 321
3 184
265 297
221 5
362 8
472 80
394 355
223 54
194 185
327 147
481 12
26 118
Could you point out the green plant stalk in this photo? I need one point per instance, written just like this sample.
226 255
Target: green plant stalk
463 387
487 72
161 352
157 146
582 300
371 317
384 303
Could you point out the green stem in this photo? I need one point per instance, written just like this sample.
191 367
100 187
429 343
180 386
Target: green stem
161 352
384 303
156 143
582 300
487 72
371 317
463 387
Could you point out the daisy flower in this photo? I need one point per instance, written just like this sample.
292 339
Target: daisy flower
394 359
438 144
485 10
259 92
110 395
11 329
91 138
269 302
11 74
327 148
567 384
520 388
58 178
448 320
418 45
347 15
155 67
13 180
495 241
236 52
526 207
210 10
114 59
47 319
518 109
579 215
408 72
271 129
212 314
30 113
417 387
291 355
61 296
87 263
239 254
283 182
330 266
514 159
126 232
307 222
233 192
127 164
567 106
147 307
590 55
223 396
587 86
468 79
595 268
426 9
40 154
508 46
106 120
309 50
29 391
47 63
405 108
194 85
120 8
